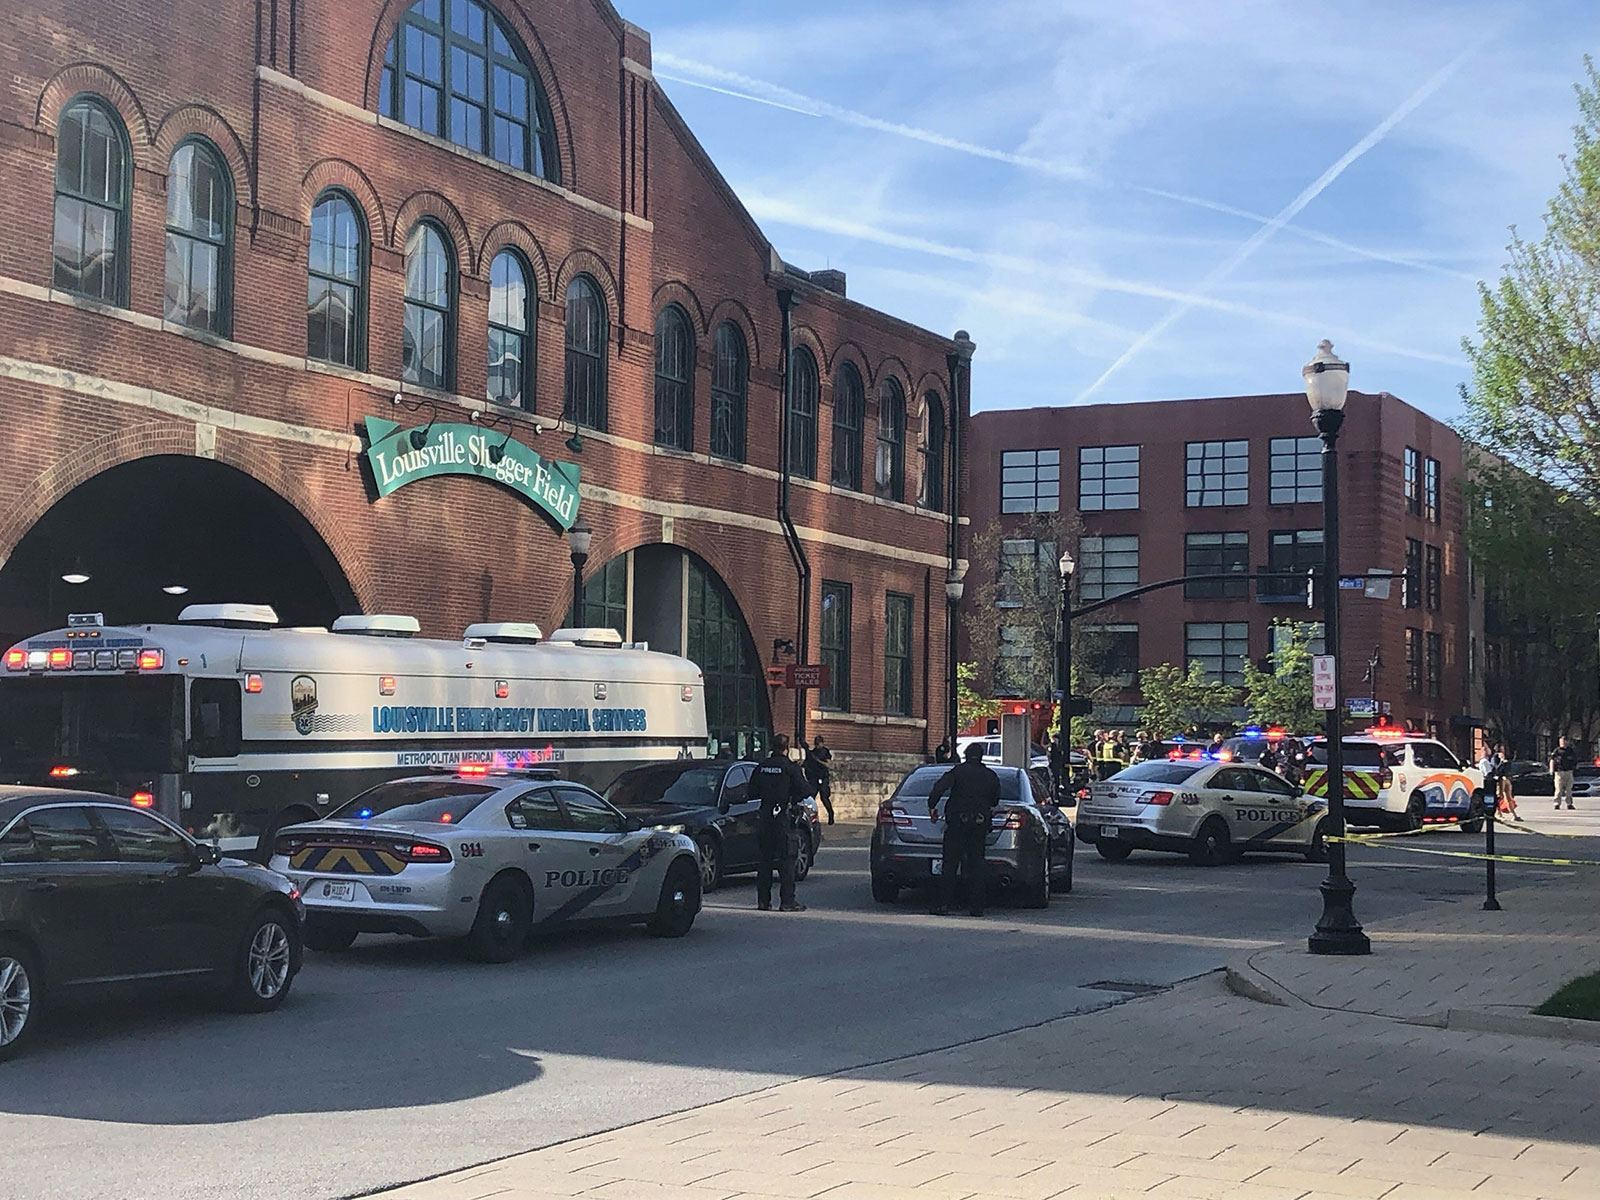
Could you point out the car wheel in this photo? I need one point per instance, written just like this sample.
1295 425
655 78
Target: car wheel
680 901
1317 851
329 941
883 891
1112 851
20 994
1416 810
266 961
1211 846
505 915
1037 894
709 853
1475 812
802 856
1062 881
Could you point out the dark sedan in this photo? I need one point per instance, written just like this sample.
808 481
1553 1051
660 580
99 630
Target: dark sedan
1529 778
710 801
96 892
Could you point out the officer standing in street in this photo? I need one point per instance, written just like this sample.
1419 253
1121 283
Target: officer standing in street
817 773
974 792
778 786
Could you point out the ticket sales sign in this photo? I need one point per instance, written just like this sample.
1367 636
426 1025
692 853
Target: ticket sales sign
806 675
401 456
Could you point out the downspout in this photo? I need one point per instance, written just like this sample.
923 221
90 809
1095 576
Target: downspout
791 536
927 656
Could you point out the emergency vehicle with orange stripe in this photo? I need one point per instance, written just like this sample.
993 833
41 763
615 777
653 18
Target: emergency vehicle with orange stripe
1397 780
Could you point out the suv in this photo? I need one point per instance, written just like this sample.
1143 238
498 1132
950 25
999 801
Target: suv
1399 782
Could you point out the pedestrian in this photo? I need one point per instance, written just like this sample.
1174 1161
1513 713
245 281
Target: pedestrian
941 752
819 775
778 786
1505 793
974 792
1490 765
1563 762
1216 750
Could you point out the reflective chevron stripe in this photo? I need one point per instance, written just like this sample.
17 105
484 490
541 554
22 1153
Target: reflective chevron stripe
1358 785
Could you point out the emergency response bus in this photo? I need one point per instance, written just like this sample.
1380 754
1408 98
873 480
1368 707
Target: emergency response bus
233 727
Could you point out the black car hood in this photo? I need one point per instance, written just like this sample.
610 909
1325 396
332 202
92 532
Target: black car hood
669 814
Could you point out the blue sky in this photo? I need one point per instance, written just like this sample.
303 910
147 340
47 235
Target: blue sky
1144 199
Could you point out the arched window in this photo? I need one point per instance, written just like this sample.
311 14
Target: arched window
932 494
849 402
803 390
425 352
454 69
889 475
674 379
199 238
511 311
586 354
730 370
92 180
336 285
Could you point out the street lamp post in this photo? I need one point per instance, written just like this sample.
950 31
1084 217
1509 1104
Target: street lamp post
1327 382
1066 565
955 583
578 538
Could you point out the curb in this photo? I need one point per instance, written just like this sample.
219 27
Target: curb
1244 980
1563 1029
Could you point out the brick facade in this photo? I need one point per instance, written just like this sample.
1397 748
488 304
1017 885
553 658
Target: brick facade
288 94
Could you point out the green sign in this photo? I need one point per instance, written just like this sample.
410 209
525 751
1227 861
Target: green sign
397 458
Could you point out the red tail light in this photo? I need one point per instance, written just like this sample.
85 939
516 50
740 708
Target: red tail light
1009 820
142 800
17 660
152 660
424 852
1158 798
890 813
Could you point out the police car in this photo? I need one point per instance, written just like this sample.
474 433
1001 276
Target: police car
484 855
1399 780
1212 811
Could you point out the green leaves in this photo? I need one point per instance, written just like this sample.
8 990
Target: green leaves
1176 698
1282 696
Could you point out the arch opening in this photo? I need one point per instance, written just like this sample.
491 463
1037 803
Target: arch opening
135 533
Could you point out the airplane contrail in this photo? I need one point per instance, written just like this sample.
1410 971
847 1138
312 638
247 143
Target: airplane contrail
1256 240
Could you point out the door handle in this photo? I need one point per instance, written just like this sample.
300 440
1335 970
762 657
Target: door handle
595 850
533 845
43 885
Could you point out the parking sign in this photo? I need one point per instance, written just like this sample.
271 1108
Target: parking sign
1322 682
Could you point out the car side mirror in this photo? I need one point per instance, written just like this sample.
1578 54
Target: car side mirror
632 825
206 855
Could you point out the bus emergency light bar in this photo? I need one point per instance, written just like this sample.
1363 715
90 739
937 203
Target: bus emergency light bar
150 658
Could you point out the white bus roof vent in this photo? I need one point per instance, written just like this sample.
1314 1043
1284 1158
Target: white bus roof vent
392 625
608 638
230 616
505 633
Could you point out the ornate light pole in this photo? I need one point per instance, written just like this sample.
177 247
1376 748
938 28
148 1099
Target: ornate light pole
955 584
578 538
1327 382
1067 565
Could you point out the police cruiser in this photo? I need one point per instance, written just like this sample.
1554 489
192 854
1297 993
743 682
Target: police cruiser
484 854
232 727
1212 811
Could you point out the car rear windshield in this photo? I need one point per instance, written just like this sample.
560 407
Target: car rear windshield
1356 754
439 801
920 783
669 785
1157 771
1587 772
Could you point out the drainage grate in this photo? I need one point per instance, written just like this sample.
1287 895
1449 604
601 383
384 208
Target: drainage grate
1132 989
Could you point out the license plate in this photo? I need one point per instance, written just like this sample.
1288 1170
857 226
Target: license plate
1110 831
938 866
334 891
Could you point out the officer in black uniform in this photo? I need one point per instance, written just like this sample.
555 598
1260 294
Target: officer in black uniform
974 792
778 787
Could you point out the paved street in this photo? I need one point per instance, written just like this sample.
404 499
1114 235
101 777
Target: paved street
399 1061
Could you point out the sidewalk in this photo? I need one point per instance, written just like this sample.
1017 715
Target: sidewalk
1194 1094
1462 967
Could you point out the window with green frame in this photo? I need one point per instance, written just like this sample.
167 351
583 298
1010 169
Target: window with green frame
605 597
719 644
836 645
897 655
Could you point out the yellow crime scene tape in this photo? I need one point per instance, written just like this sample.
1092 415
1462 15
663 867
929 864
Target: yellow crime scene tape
1524 827
1358 839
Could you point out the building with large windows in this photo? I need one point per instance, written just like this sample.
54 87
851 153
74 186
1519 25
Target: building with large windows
1233 485
364 306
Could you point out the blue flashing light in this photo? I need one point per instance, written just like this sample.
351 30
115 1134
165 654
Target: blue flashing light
1178 737
1253 733
364 813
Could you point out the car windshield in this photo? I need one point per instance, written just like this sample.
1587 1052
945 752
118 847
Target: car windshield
1356 754
120 723
920 783
436 801
1160 771
668 785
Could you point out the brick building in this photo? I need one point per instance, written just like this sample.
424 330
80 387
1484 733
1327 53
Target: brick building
242 243
1190 487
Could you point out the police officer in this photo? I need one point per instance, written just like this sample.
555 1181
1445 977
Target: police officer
778 786
974 792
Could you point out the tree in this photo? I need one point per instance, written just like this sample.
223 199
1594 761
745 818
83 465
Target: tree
1178 699
970 706
1282 696
1534 397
